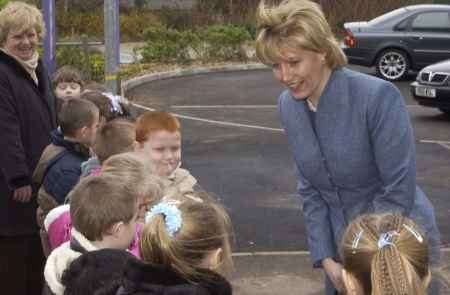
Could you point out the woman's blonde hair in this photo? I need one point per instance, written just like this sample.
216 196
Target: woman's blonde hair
295 24
386 254
20 16
205 227
137 169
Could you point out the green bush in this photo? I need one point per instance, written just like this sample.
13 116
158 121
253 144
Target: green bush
167 45
224 41
75 23
3 3
179 19
133 22
93 69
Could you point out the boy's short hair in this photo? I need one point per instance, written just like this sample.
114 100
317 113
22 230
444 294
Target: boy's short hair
115 137
98 202
75 114
155 121
136 168
102 102
67 74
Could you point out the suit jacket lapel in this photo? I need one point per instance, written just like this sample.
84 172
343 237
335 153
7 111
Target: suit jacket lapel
327 116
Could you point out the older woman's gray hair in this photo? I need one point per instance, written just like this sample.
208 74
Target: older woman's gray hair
20 16
293 24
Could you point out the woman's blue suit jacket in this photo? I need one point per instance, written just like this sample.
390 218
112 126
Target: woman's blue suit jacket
359 158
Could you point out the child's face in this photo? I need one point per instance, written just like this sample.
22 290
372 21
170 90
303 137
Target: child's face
66 90
164 149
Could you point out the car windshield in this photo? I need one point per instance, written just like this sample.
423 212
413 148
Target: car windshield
387 16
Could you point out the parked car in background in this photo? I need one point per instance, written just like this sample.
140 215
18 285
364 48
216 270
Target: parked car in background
408 38
432 86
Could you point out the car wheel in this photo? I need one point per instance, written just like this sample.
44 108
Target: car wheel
392 64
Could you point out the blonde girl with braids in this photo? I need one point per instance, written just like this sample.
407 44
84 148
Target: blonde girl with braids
184 246
385 254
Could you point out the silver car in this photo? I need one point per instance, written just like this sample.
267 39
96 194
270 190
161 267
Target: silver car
408 38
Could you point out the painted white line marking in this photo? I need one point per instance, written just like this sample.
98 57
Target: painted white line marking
224 106
222 123
273 253
435 141
292 253
442 143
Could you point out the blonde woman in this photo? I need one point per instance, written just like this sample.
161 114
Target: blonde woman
350 133
385 254
27 112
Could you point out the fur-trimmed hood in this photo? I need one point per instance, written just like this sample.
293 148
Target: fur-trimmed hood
59 260
151 279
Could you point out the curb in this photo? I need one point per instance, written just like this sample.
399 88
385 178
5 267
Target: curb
134 82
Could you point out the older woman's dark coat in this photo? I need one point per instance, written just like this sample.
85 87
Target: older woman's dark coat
27 115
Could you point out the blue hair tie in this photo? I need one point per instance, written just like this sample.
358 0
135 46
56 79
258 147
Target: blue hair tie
172 216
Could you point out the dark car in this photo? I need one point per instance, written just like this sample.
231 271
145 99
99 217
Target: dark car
432 86
408 38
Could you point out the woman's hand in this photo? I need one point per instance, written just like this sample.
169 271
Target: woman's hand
23 194
334 272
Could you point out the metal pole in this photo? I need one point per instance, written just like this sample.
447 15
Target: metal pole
48 7
112 44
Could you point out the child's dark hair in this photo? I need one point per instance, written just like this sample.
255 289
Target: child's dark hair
106 106
75 114
102 102
114 137
98 202
67 74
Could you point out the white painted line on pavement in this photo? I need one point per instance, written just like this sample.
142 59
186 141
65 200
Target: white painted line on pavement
237 106
292 253
223 123
273 253
263 106
443 143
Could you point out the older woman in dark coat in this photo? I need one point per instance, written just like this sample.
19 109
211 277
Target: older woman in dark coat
27 115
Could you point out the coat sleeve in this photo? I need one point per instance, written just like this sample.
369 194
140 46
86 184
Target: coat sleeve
12 155
394 150
315 210
317 221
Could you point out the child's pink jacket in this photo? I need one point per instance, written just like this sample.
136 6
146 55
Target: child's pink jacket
58 225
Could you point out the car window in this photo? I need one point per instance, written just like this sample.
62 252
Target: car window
403 25
431 21
384 17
